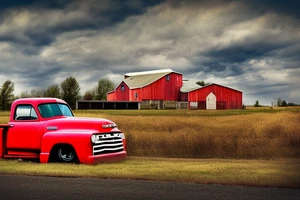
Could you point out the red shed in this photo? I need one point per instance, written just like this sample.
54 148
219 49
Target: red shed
149 85
214 96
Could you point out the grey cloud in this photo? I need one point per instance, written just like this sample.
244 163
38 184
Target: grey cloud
241 44
45 20
233 57
287 7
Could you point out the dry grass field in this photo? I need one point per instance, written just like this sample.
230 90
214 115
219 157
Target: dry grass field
242 134
261 147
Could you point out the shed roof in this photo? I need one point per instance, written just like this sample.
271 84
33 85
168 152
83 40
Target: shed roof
211 84
188 86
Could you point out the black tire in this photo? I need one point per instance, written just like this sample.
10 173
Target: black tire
65 154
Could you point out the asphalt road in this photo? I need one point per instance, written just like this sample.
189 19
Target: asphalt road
40 187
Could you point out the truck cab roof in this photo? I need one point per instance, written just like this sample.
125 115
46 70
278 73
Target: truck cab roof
38 100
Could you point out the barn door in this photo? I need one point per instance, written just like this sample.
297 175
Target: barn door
211 102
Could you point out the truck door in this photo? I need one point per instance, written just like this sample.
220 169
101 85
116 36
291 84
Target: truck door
23 134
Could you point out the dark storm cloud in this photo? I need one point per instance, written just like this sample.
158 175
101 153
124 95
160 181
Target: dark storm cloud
286 7
267 89
231 57
252 46
49 4
6 4
242 53
75 15
39 38
120 10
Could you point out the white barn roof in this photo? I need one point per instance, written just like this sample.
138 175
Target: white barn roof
142 79
149 72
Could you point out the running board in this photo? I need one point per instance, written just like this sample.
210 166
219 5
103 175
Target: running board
22 156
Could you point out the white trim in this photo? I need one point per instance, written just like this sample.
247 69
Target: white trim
150 72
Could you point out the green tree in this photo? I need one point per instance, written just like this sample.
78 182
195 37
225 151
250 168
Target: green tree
7 95
256 103
37 93
53 91
89 95
104 86
33 93
25 94
284 103
279 102
70 91
202 83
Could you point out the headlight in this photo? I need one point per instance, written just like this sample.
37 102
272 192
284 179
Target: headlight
111 125
122 135
93 139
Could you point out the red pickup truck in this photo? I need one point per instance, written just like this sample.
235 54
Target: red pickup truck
46 129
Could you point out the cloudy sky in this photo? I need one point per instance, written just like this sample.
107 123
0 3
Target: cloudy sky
252 46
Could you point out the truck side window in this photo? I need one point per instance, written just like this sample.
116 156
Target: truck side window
25 112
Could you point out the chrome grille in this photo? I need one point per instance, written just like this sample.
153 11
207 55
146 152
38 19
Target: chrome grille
108 143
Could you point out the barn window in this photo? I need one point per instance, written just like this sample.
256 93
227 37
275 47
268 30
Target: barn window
135 95
122 88
168 77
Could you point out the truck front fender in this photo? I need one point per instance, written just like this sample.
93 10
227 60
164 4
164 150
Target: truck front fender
80 141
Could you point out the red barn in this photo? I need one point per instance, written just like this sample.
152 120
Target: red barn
150 85
212 97
167 85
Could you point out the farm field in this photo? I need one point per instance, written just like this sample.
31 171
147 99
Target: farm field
255 147
262 133
235 134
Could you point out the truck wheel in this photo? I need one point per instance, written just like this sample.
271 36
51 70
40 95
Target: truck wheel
66 154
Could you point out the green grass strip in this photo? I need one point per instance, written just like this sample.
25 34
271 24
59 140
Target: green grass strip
272 173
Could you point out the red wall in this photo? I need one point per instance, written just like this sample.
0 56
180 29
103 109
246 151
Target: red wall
184 96
163 89
227 98
133 97
119 94
159 90
110 96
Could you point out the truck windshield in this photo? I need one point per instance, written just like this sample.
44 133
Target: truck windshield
54 109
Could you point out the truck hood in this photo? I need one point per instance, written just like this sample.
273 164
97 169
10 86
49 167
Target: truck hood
97 125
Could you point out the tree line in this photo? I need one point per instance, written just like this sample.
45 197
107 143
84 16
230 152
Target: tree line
279 103
68 90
